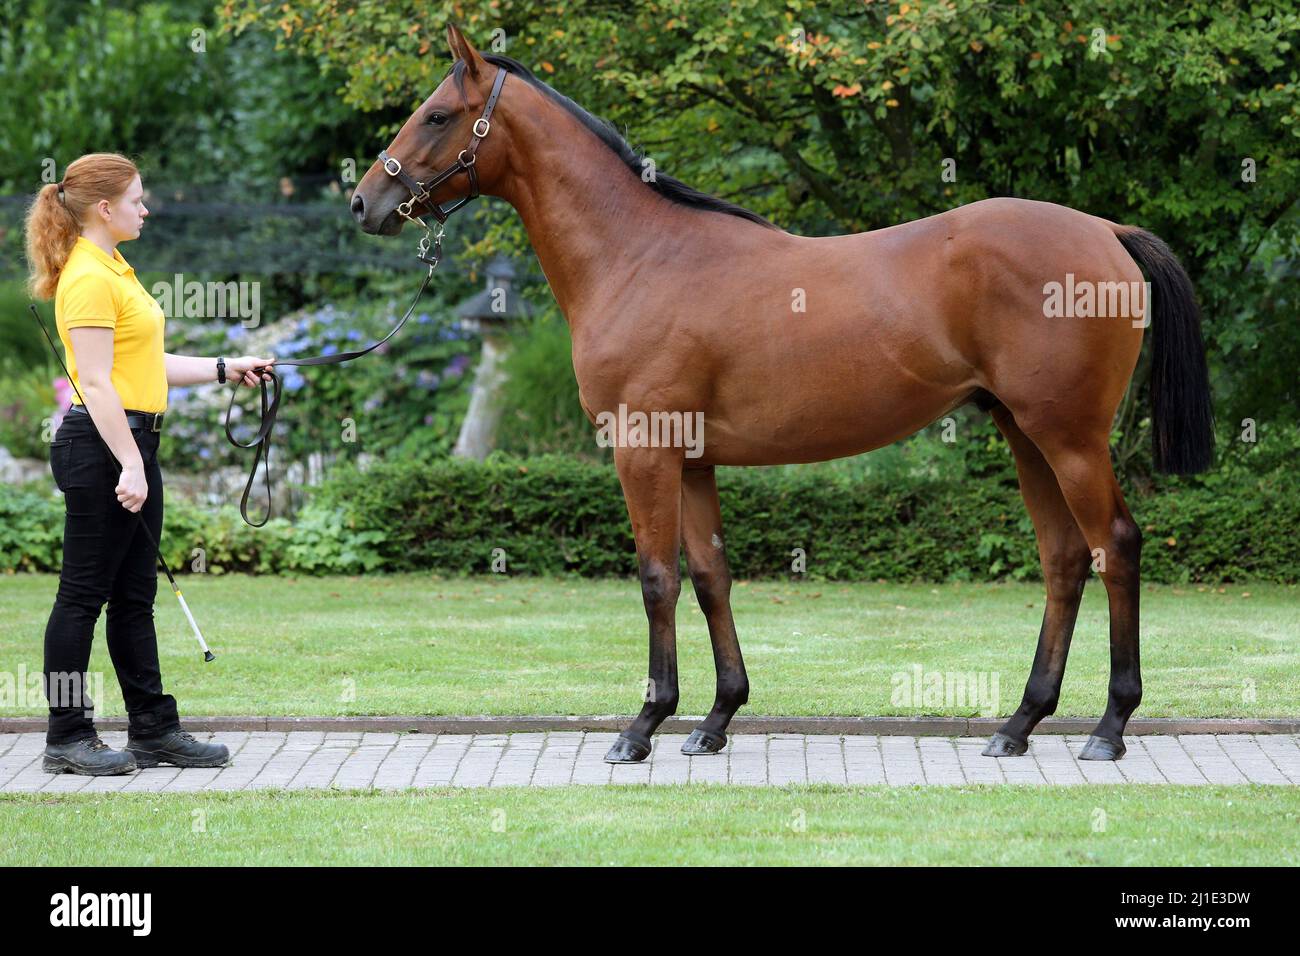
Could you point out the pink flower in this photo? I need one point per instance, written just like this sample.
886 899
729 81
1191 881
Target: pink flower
62 398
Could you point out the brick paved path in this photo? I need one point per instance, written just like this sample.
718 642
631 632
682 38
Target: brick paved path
305 759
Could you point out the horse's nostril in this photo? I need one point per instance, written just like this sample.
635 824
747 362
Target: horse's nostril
358 207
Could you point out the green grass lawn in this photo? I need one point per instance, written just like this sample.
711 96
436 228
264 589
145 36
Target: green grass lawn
1085 825
415 644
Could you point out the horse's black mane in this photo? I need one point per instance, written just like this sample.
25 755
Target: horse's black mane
672 189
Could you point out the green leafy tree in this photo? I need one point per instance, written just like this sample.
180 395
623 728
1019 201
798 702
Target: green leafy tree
842 116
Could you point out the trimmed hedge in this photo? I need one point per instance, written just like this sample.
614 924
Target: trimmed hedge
314 542
553 515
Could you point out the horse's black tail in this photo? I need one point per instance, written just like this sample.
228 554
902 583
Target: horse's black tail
1182 417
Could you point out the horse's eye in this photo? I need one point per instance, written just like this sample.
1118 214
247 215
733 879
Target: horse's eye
437 119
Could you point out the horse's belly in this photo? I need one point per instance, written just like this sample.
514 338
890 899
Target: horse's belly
816 420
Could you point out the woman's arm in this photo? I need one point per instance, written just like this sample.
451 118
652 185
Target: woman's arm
196 370
92 348
189 369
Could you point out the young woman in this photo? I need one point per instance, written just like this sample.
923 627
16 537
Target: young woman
112 331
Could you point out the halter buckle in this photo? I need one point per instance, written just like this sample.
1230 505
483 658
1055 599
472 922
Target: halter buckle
431 260
486 127
393 169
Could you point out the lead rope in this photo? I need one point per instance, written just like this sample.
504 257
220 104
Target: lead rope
270 404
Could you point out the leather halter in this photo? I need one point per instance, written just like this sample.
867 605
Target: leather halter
422 192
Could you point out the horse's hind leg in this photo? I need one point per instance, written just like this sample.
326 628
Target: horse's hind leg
1065 559
707 560
1081 461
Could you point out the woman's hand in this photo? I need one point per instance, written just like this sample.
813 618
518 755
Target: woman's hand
132 488
241 369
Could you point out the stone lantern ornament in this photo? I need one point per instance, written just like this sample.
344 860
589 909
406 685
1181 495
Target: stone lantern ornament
490 314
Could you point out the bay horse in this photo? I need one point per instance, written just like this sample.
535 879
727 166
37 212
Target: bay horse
679 302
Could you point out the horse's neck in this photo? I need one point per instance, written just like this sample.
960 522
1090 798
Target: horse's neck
588 216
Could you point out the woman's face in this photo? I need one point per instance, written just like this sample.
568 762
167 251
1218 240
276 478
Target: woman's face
125 215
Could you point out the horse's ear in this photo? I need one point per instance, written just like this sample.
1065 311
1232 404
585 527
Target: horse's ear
462 49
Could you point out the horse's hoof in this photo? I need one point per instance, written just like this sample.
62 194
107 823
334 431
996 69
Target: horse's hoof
702 742
628 749
1099 748
1000 745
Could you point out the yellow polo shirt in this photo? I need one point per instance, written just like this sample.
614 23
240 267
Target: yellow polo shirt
101 291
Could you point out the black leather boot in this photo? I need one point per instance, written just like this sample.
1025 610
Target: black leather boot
178 749
89 756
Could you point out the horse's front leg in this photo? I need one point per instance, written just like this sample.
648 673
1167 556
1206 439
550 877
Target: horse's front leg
652 487
706 558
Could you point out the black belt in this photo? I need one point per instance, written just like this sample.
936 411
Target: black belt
150 421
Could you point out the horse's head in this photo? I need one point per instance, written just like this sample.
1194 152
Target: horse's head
436 144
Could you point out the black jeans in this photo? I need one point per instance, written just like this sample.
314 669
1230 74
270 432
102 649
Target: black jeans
106 558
